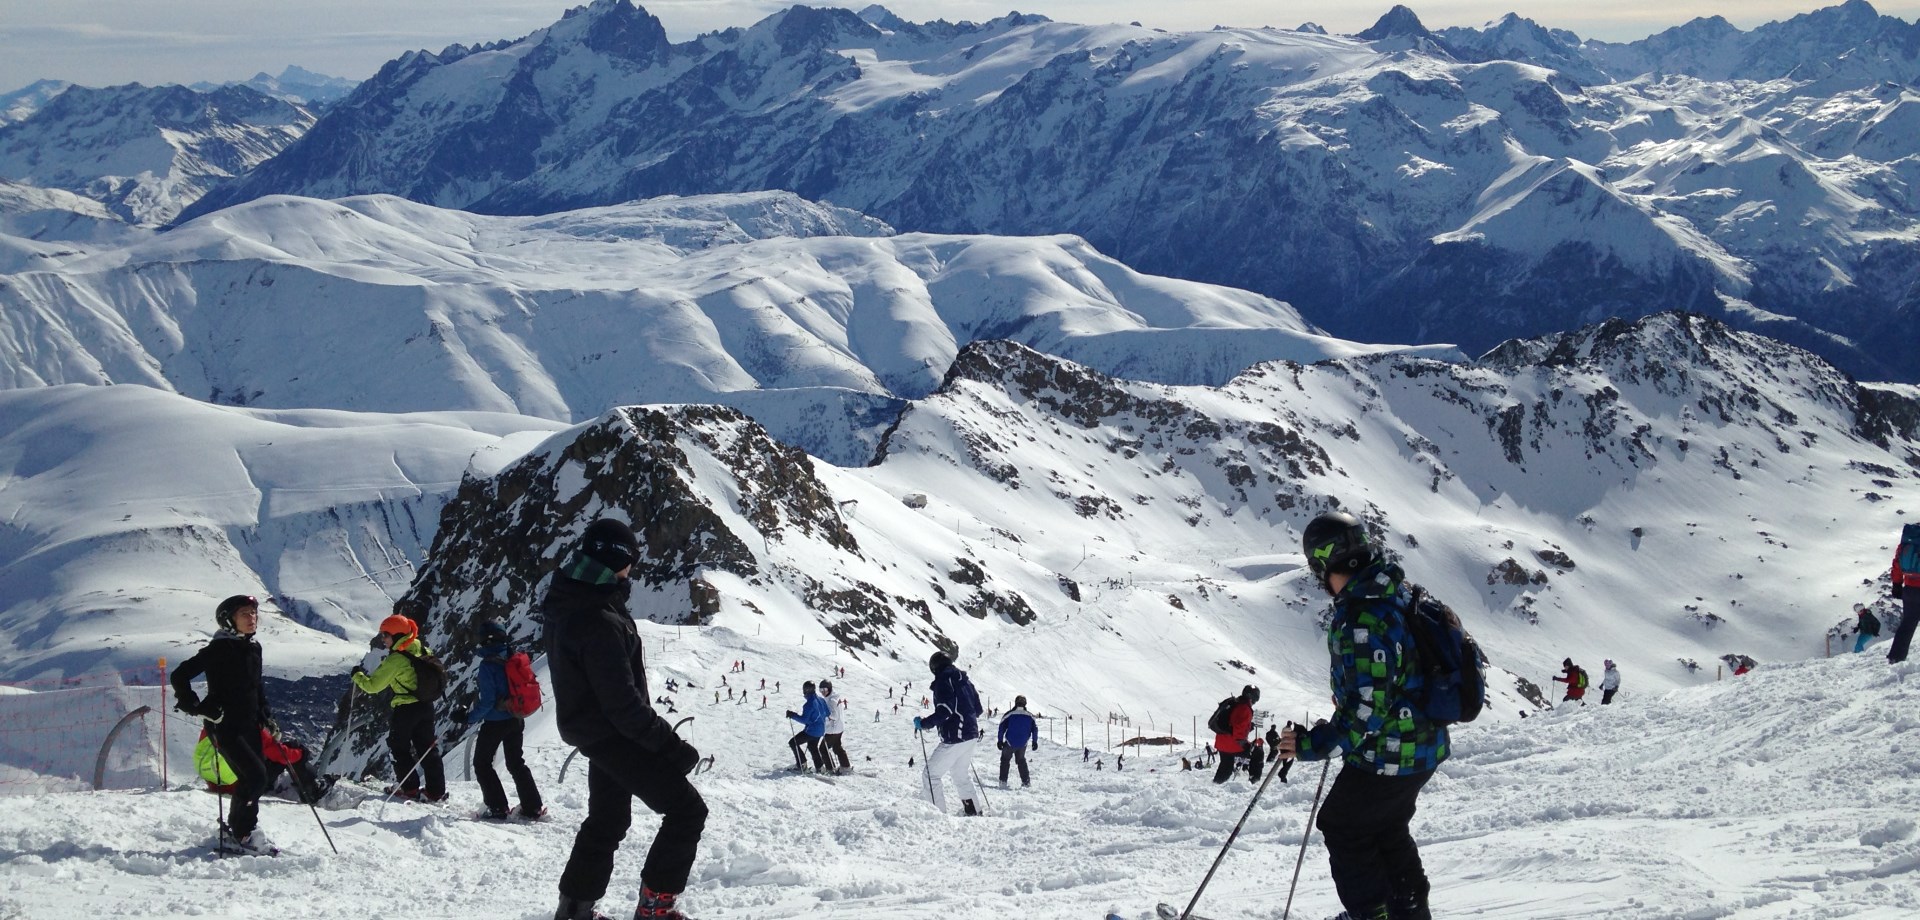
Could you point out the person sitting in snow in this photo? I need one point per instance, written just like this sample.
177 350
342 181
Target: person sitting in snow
1867 628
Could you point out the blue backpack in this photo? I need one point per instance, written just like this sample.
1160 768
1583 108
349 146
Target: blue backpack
1453 677
1909 556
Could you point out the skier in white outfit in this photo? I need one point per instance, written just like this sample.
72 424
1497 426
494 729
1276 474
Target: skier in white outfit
956 711
1609 683
830 745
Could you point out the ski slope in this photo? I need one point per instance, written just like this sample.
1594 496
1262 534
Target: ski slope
1788 792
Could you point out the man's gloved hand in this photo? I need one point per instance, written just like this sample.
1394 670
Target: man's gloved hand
359 670
464 716
916 724
792 715
683 756
1003 745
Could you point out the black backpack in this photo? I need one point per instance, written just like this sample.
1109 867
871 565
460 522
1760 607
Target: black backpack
1453 677
429 677
1221 722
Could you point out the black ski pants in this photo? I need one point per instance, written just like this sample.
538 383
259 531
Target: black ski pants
411 739
1909 617
495 734
1365 821
619 771
800 740
1014 755
831 745
1254 757
240 748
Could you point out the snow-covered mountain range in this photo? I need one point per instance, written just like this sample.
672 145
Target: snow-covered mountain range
815 319
146 152
1399 185
17 104
294 84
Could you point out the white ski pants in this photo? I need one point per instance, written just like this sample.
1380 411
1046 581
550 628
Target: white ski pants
955 762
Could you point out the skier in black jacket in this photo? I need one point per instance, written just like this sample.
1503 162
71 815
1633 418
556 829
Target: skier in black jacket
234 710
601 704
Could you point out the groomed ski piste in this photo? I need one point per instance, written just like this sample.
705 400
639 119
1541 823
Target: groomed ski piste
1791 791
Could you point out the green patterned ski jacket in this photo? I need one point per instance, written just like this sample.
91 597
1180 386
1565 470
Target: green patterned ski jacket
1373 721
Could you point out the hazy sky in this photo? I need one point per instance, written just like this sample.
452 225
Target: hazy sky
99 42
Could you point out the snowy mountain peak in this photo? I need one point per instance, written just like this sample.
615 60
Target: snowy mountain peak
1399 22
615 28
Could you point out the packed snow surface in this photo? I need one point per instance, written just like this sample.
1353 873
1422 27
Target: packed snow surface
1788 792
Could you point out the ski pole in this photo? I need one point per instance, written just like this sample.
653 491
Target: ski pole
1282 773
313 799
1312 813
219 792
977 784
926 767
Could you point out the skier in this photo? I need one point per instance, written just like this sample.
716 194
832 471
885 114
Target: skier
836 726
813 726
410 735
1017 730
1575 677
1867 628
498 728
1906 577
234 712
1390 749
599 673
956 711
1609 683
1239 745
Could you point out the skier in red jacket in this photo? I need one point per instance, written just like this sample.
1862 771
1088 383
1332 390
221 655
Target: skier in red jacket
1239 744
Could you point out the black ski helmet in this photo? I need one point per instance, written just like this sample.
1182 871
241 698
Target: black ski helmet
611 543
1250 693
1336 542
492 633
939 662
223 614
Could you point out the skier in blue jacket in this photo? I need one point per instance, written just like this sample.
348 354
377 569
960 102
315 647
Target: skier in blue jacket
1017 730
956 710
813 726
499 728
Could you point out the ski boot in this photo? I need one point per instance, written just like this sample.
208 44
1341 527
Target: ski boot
971 811
657 905
575 909
253 844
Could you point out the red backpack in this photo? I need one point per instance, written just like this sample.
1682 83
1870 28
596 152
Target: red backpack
523 689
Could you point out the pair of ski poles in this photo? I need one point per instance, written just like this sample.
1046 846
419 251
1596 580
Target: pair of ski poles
220 797
926 768
1298 861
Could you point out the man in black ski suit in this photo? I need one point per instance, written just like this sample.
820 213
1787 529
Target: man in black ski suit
601 704
234 710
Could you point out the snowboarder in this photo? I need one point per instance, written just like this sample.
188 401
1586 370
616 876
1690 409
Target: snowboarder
499 728
1390 749
410 735
813 726
600 698
1017 731
956 711
1237 745
1866 629
1609 683
234 712
836 727
1575 677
